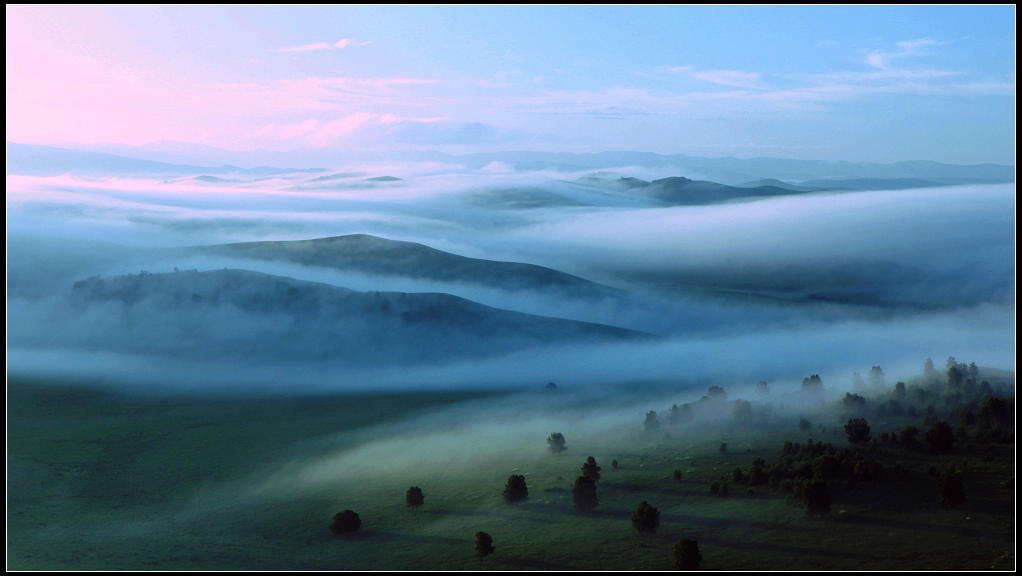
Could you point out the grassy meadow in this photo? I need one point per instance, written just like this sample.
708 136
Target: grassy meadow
101 479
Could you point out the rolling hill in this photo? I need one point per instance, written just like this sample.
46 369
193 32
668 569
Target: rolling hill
374 255
243 314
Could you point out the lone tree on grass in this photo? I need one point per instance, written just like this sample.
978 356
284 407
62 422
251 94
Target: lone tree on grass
646 518
590 469
686 555
484 544
345 522
857 430
556 442
584 494
515 490
414 497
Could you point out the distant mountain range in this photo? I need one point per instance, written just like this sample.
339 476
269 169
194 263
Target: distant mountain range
185 159
34 160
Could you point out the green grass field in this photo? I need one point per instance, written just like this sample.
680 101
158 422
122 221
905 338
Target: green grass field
103 480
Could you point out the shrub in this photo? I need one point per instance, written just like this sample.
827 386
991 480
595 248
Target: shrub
677 475
484 544
613 464
414 497
940 437
857 430
590 469
345 522
686 555
646 518
950 489
584 494
556 443
515 490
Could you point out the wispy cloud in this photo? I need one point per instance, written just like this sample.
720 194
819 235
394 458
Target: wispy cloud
306 47
882 59
319 46
733 78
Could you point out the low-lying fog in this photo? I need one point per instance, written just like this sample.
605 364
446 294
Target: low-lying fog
772 289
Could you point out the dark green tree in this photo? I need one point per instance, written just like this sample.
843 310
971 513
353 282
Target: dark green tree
590 469
413 497
686 555
940 437
651 423
345 522
857 430
646 518
484 544
909 436
516 490
584 494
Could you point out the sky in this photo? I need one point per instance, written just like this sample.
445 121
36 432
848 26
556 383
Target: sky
857 83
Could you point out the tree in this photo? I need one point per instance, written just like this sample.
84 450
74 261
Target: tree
742 411
909 436
345 522
853 401
515 490
858 384
899 390
716 393
686 555
812 383
876 378
950 489
651 423
584 494
556 443
590 469
484 544
940 437
414 497
857 431
816 496
646 518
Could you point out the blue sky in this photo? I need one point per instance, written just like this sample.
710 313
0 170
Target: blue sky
862 83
